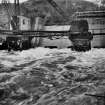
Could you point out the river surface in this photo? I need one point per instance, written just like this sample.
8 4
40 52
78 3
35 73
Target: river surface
45 76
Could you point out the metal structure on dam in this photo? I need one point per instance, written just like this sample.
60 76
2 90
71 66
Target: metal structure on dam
86 30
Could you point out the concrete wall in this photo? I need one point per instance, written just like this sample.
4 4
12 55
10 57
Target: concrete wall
57 28
24 23
63 42
58 41
97 25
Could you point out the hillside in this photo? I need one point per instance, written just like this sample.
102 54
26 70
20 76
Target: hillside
68 6
33 8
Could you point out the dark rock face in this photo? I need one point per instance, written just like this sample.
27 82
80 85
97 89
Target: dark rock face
56 78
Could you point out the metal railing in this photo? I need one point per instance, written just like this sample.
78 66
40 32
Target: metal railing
48 33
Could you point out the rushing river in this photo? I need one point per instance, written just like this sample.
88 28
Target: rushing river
44 76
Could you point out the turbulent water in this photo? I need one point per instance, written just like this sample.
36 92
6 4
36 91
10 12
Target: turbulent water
44 76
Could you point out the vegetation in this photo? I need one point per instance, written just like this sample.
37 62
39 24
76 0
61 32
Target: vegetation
68 6
33 8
